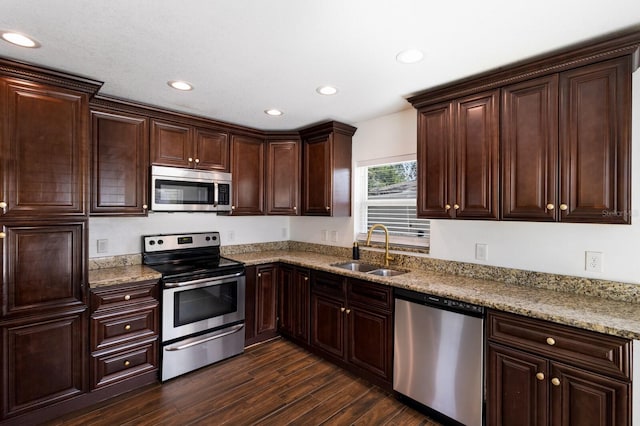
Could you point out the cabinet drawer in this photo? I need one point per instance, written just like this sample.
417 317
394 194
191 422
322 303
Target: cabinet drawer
118 327
597 352
115 366
328 284
370 295
119 296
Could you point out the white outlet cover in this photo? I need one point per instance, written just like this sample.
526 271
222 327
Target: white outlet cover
482 252
593 261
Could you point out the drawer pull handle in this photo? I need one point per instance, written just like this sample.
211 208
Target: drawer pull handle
342 309
555 381
127 363
127 297
551 341
127 327
540 376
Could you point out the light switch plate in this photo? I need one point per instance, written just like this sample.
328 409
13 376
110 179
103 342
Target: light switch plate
103 245
482 251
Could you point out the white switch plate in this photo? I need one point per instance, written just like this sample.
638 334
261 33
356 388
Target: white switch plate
231 236
324 235
334 236
103 245
482 251
284 232
593 261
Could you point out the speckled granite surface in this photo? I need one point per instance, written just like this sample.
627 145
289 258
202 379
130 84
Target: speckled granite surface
598 305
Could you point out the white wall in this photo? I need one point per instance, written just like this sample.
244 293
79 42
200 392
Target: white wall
124 234
545 247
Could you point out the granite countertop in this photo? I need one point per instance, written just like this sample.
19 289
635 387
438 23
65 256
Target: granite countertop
578 310
121 275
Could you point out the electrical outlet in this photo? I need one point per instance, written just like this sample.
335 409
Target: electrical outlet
284 232
334 236
324 235
231 236
103 245
482 251
593 261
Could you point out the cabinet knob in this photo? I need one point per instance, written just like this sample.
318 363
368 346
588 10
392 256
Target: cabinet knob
342 309
127 327
2 235
190 159
144 207
540 376
327 208
555 381
563 207
127 297
259 274
306 278
551 341
456 207
3 206
197 160
550 206
447 207
348 311
127 363
233 207
295 208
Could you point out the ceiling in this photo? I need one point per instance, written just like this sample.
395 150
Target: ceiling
246 56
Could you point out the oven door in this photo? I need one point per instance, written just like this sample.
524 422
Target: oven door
197 306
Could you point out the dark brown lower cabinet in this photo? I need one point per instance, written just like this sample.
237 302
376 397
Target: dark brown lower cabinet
352 325
540 373
261 303
293 307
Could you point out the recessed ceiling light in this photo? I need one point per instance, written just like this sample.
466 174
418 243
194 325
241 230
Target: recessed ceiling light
273 112
409 56
19 39
327 90
180 85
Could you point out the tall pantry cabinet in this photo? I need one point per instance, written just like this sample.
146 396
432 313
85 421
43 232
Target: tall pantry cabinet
44 153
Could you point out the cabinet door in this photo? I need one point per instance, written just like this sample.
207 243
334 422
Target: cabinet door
212 150
328 325
582 398
266 299
435 138
595 141
44 268
43 362
317 176
476 156
171 144
120 164
370 341
44 148
283 177
530 150
247 168
517 388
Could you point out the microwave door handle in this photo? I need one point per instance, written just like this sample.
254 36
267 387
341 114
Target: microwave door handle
215 194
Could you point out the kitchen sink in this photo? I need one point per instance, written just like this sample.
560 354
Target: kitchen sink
385 272
368 269
356 266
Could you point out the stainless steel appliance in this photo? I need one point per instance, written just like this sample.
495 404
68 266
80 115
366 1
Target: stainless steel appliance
178 189
439 355
202 300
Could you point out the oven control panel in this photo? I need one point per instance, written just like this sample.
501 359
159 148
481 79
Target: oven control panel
162 242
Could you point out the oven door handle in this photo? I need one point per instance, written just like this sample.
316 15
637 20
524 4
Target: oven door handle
203 280
214 336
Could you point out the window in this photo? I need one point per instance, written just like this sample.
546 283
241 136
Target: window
388 196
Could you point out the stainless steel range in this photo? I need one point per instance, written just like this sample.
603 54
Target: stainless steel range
202 300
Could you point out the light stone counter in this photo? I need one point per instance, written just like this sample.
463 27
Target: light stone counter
599 314
120 275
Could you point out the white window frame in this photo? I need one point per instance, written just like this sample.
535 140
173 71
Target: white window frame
360 222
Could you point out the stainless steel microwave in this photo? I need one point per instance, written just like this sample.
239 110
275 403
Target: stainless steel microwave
175 189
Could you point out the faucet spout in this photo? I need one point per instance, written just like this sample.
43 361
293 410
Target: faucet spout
387 257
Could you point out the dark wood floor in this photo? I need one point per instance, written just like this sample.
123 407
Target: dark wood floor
276 383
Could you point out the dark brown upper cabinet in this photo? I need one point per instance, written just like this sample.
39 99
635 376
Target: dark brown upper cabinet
44 149
326 169
283 177
458 158
566 146
182 145
595 143
248 177
120 163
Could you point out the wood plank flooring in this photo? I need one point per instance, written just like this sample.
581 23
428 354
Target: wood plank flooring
275 383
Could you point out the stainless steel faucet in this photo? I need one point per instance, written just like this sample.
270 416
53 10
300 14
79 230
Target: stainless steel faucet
387 258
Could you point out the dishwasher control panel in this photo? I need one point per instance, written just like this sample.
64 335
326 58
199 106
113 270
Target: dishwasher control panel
439 301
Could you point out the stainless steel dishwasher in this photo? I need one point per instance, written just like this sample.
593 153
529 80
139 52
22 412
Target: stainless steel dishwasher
439 355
